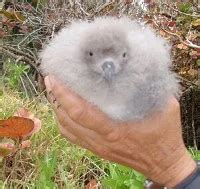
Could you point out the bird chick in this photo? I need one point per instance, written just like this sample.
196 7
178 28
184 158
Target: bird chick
115 64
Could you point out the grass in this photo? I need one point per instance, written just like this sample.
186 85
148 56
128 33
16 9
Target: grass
51 161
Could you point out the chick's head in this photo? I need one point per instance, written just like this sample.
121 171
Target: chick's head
105 50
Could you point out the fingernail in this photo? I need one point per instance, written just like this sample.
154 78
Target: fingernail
58 106
54 100
48 83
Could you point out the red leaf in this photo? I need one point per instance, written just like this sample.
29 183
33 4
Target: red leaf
2 33
16 127
6 149
128 1
182 46
27 114
92 185
25 144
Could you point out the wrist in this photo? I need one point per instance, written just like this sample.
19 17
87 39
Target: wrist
192 181
176 175
178 171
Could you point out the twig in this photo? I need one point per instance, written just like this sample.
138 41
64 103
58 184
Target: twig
21 58
80 6
31 83
28 36
18 52
187 81
193 127
33 55
176 10
24 87
189 43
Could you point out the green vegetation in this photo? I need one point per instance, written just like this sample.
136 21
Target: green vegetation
121 177
52 162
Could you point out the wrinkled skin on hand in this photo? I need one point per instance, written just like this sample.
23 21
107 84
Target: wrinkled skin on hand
153 146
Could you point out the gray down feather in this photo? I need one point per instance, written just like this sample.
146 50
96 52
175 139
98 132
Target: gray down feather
116 64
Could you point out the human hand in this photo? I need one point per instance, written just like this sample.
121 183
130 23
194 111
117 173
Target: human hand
153 146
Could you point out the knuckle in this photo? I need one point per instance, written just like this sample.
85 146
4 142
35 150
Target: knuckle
176 106
62 132
61 129
58 93
76 113
113 135
102 151
60 119
176 103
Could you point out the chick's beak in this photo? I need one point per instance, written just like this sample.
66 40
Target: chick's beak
108 70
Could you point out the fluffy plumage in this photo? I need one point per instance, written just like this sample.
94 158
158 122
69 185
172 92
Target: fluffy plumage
114 63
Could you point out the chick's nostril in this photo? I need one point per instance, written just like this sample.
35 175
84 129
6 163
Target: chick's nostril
108 65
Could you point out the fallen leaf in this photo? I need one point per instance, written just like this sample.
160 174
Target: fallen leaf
6 149
16 127
169 23
192 72
162 33
105 9
2 33
182 46
192 36
23 112
193 53
7 14
196 22
24 29
92 185
26 144
19 16
128 2
13 15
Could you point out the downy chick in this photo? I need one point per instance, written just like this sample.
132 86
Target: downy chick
115 64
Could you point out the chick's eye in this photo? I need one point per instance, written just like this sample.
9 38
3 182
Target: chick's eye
91 53
124 55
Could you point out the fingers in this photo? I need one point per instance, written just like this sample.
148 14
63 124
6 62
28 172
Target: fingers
67 122
76 134
80 132
72 138
78 109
